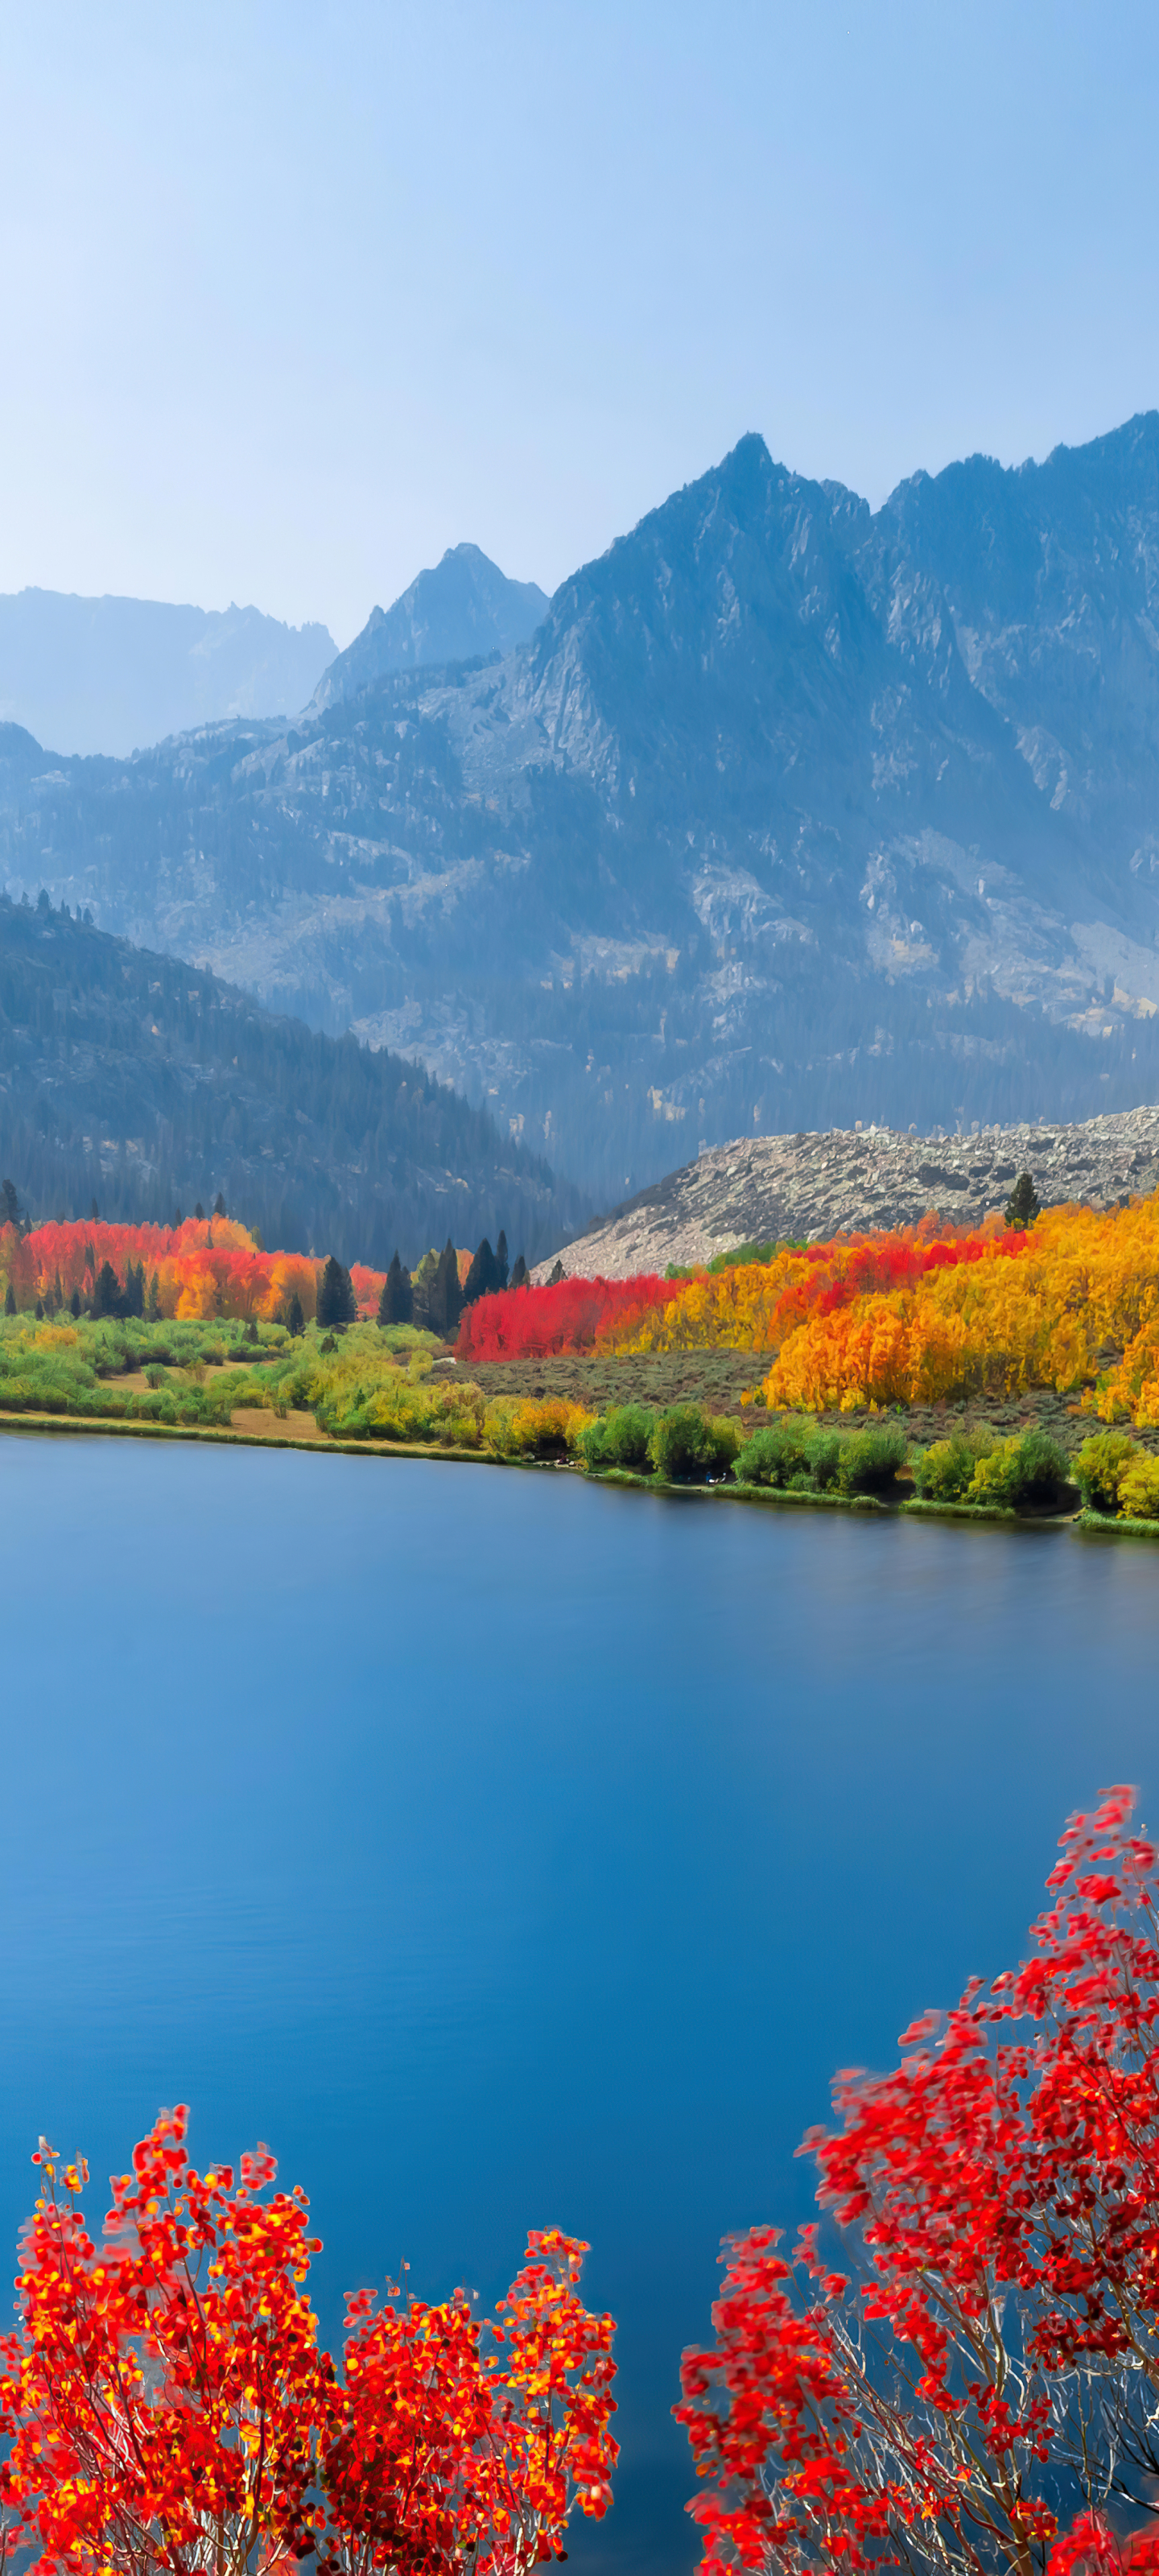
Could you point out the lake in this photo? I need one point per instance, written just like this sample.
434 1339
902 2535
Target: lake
510 1852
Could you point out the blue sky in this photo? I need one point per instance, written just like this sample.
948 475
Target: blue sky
292 297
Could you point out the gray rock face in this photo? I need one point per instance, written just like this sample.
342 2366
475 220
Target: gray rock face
463 610
787 815
794 1188
104 675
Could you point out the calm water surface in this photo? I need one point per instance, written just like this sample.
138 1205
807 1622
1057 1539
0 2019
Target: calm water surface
508 1852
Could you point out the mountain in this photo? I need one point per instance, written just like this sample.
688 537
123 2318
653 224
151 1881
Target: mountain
788 814
464 610
106 674
145 1083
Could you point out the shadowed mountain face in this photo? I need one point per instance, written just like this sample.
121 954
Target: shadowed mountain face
105 674
464 610
787 814
145 1084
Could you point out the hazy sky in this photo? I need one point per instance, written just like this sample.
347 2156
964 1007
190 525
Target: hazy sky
292 297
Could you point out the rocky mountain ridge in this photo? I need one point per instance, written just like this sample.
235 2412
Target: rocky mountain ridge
788 814
103 675
464 609
808 1188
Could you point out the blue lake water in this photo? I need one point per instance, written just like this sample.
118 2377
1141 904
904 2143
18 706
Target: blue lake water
508 1852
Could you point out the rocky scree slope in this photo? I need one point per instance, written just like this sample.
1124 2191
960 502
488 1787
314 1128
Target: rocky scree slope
146 1084
794 1188
788 814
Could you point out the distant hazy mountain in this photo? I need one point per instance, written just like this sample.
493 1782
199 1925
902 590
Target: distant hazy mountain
114 674
462 609
788 814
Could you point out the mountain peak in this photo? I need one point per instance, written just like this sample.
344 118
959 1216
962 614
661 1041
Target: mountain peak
461 609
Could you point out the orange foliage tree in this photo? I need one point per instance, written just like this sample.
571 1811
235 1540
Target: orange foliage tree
167 2406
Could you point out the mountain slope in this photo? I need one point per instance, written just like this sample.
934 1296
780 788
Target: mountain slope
105 674
463 610
788 814
144 1083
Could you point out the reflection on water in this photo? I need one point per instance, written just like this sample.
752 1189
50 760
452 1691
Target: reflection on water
508 1852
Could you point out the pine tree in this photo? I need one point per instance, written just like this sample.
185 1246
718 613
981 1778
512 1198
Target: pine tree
74 1304
446 1305
155 1299
295 1320
396 1304
501 1263
107 1298
482 1276
1022 1205
519 1276
219 1205
9 1300
199 1213
556 1274
40 1310
94 1214
336 1299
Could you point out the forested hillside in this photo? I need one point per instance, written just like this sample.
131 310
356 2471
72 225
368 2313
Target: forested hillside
146 1084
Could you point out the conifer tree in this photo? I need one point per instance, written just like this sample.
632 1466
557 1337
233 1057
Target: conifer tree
482 1276
501 1262
295 1320
1022 1205
155 1299
519 1276
199 1213
107 1292
9 1300
447 1296
74 1304
10 1211
40 1310
219 1205
336 1299
396 1304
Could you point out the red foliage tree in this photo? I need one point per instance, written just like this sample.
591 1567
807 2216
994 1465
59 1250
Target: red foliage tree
168 2411
534 1323
985 2361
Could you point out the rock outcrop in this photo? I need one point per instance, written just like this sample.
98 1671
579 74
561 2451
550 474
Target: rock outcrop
811 1187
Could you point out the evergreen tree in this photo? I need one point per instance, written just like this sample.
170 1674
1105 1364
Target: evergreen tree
94 1214
57 1292
519 1276
107 1292
40 1310
74 1304
483 1275
10 1212
135 1289
199 1213
219 1205
178 1219
1022 1205
336 1300
422 1285
155 1299
9 1300
501 1264
556 1274
295 1320
446 1298
396 1304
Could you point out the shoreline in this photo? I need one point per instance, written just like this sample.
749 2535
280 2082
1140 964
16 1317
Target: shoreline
1085 1523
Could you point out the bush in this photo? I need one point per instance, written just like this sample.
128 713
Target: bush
688 1446
526 1429
1100 1465
1032 1469
869 1460
1139 1489
778 1456
619 1439
942 1474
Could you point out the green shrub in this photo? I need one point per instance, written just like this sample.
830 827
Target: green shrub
869 1460
688 1446
823 1458
1032 1469
1139 1489
943 1473
1100 1466
620 1438
778 1456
